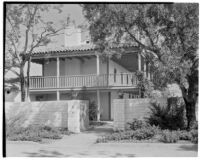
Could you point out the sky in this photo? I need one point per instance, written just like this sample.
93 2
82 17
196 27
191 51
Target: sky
74 11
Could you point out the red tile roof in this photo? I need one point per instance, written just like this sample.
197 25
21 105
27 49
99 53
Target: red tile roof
70 50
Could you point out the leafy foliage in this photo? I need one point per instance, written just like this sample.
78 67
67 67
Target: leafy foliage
139 131
194 135
34 133
144 133
184 135
167 34
92 111
137 124
167 117
169 136
140 134
144 85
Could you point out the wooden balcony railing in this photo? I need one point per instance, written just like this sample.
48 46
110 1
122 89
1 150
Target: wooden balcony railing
78 81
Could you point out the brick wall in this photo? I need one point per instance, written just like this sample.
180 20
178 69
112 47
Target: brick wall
51 113
125 110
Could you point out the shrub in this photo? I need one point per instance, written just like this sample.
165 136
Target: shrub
184 135
33 133
169 136
139 134
195 125
137 124
117 136
92 111
194 136
170 117
143 134
64 131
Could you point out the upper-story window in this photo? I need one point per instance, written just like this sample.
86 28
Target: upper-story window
115 74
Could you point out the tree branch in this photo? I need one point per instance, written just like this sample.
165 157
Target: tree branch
28 28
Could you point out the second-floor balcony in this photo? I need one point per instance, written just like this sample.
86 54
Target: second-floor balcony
80 81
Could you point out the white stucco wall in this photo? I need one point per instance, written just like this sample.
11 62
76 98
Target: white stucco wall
72 67
50 68
75 67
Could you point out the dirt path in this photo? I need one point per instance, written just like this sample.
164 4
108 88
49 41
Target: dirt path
83 145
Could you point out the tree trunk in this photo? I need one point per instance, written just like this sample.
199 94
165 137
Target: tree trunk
190 99
28 75
190 112
22 83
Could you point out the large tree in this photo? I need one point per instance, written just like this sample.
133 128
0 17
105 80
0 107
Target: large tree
27 29
167 34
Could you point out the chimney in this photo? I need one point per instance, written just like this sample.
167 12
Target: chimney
75 36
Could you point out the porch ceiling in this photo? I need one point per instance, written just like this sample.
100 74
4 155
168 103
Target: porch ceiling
42 60
128 61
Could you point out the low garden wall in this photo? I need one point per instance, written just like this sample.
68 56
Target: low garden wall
72 114
125 110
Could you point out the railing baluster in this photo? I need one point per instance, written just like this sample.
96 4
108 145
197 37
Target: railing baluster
122 79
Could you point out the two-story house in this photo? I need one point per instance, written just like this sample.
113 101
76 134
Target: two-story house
80 69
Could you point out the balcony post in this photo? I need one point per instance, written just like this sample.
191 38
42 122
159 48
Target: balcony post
149 71
98 67
57 95
98 92
145 69
98 105
108 59
139 62
57 77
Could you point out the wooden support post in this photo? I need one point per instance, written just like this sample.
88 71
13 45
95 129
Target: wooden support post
145 69
58 71
149 72
139 62
57 95
98 66
108 59
98 105
98 92
57 78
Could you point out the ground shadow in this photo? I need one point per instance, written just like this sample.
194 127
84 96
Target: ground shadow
45 153
100 131
104 154
193 147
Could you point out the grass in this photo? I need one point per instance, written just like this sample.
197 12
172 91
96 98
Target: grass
35 133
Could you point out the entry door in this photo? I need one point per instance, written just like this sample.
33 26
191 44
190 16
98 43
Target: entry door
105 106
